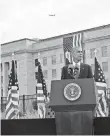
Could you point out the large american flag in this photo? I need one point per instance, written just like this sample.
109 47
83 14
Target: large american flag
12 106
68 43
99 77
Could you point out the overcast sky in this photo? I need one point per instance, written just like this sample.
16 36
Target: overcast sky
30 18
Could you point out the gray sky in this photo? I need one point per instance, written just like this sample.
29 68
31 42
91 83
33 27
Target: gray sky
30 18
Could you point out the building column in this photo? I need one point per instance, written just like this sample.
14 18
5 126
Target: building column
22 74
31 82
5 79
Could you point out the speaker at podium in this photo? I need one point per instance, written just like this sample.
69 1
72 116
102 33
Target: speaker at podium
74 102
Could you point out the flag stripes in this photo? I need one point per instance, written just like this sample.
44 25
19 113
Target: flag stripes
40 95
77 40
101 85
12 105
11 113
69 43
40 89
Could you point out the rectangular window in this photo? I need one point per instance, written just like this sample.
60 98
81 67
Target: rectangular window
54 73
105 66
45 73
92 53
16 64
104 51
7 65
61 58
1 79
44 61
1 67
53 59
36 75
1 92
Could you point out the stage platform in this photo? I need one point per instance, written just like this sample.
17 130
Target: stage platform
46 126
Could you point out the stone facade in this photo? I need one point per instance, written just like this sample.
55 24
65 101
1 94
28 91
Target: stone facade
26 51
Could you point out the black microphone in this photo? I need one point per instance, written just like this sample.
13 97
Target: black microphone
70 67
76 69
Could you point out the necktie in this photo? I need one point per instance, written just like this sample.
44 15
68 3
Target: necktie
76 71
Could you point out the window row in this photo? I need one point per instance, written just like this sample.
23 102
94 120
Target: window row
53 59
45 73
104 66
103 52
7 65
54 73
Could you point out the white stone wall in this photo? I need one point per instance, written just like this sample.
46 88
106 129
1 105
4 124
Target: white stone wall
47 43
13 46
31 84
97 32
22 73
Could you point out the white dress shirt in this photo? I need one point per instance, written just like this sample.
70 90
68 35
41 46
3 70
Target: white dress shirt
78 64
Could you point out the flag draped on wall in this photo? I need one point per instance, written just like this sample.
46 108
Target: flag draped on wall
99 77
12 106
69 43
41 90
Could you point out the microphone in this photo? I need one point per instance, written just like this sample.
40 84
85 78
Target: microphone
76 71
70 68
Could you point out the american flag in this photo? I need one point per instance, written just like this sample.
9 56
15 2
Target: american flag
41 90
40 78
99 77
69 43
12 106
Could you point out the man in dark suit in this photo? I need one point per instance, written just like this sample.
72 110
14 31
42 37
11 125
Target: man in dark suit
77 69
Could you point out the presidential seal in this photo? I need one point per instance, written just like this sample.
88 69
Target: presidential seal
72 92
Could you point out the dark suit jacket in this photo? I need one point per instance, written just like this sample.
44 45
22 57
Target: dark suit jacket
85 72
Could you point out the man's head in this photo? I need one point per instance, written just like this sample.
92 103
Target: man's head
77 54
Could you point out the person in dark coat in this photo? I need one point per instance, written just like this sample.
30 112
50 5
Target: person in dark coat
77 69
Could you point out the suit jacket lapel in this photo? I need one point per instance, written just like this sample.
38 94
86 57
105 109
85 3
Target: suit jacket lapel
81 69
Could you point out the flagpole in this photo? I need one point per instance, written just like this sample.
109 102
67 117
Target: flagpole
39 57
95 54
13 56
13 59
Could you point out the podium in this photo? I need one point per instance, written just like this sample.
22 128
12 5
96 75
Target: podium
74 103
